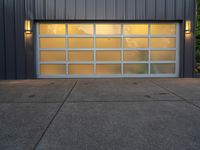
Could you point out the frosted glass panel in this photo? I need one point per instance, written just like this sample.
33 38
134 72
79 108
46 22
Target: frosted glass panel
108 29
52 43
135 68
136 29
81 43
108 55
163 68
108 43
53 29
163 42
53 69
136 55
52 56
108 69
81 69
163 55
81 55
163 29
80 29
135 43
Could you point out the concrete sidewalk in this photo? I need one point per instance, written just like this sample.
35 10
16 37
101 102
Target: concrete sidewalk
100 114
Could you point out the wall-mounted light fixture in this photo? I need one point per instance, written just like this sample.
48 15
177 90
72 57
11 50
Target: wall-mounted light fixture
188 27
27 27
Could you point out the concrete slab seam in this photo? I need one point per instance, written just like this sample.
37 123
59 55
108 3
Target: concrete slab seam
53 118
183 99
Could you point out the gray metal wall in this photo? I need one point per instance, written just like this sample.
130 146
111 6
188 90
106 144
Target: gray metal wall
109 9
12 50
17 57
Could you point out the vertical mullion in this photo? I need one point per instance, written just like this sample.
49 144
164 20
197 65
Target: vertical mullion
149 49
122 49
177 51
94 35
38 50
67 54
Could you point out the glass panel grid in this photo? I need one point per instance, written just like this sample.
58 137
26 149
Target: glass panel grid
142 45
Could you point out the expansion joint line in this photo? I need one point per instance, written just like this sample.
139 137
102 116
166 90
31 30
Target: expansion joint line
53 118
181 97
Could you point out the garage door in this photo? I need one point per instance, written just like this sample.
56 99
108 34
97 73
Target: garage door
72 50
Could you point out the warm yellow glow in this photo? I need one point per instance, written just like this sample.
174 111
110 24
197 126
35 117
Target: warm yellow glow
158 55
52 56
52 29
136 55
135 42
52 43
168 29
51 69
108 43
80 29
163 42
80 56
135 68
108 55
188 27
27 26
108 29
75 69
163 68
136 29
80 43
104 69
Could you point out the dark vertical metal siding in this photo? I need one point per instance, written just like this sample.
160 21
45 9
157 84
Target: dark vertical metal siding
151 9
2 42
50 9
18 62
9 6
189 44
130 9
180 4
19 40
120 9
70 9
160 10
100 9
90 9
60 9
39 9
170 9
80 9
108 9
29 9
140 10
12 48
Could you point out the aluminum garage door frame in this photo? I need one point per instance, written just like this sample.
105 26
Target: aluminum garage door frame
122 49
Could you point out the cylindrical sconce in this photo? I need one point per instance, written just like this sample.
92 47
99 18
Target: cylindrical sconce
27 27
188 27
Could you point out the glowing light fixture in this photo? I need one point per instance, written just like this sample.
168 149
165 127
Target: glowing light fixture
188 27
27 27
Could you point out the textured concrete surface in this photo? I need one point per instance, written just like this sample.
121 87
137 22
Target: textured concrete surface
100 114
186 88
35 90
124 126
21 125
119 90
197 103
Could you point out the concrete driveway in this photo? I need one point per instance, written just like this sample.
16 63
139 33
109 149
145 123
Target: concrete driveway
100 114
